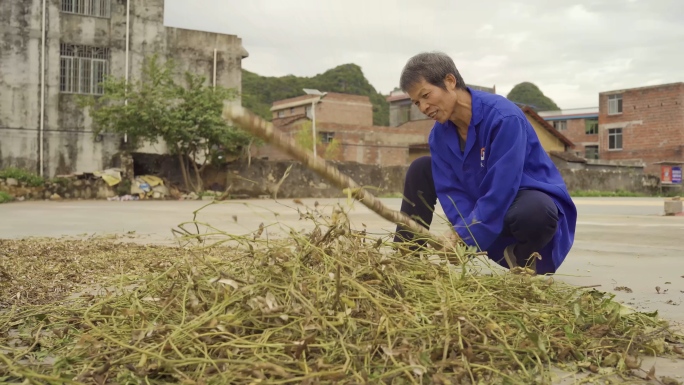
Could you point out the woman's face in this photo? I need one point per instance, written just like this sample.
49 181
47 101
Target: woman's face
435 102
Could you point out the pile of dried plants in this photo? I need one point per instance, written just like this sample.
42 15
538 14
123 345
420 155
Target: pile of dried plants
332 305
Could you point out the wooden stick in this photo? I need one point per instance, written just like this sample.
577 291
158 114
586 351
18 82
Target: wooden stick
248 121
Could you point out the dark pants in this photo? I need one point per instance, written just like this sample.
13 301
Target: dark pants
531 219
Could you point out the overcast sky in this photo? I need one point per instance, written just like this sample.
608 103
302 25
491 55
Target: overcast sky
571 49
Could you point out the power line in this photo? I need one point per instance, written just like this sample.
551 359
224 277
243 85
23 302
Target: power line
68 129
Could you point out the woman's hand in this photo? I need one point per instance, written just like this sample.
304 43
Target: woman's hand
449 239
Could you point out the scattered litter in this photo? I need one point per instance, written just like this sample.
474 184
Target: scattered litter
189 197
124 198
111 176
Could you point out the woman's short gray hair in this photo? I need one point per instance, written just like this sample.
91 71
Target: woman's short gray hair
431 66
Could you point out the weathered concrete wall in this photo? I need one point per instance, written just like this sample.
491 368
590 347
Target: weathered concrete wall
69 144
601 180
262 176
19 83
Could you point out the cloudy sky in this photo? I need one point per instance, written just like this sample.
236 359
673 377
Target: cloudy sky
571 49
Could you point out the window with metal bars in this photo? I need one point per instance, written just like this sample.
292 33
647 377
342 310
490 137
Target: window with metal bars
326 137
82 69
97 8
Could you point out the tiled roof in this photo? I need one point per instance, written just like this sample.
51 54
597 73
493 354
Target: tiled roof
529 111
281 122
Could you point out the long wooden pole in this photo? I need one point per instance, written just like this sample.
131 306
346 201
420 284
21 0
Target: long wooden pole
248 121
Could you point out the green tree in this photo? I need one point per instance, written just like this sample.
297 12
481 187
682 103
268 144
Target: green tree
186 116
304 138
528 93
333 150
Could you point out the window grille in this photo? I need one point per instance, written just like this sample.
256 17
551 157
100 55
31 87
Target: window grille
83 69
97 8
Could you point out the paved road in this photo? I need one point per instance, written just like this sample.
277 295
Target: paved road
620 241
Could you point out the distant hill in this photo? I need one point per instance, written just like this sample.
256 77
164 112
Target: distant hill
259 92
530 94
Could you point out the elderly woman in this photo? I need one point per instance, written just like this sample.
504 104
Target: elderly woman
497 185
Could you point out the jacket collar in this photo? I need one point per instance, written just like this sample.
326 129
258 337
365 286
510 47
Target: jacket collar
475 119
476 107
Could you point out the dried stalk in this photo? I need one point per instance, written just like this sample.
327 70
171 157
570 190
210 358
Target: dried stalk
257 126
326 306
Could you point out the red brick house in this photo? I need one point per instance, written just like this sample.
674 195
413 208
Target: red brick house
347 119
580 125
331 107
642 124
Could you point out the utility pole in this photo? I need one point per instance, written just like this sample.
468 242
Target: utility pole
313 112
313 125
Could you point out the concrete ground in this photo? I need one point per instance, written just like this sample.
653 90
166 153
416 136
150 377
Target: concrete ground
620 242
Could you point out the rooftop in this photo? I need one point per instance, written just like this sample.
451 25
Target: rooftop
666 85
308 99
570 113
529 111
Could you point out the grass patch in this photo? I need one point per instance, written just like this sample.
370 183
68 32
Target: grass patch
22 175
5 197
331 304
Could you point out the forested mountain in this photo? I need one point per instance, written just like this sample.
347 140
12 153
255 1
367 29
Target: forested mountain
528 93
259 92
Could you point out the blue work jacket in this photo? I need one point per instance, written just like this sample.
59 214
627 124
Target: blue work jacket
476 187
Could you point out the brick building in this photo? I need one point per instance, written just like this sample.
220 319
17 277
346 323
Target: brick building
330 107
642 124
346 119
580 125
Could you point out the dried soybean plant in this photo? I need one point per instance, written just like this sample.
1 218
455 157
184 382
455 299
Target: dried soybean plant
331 304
